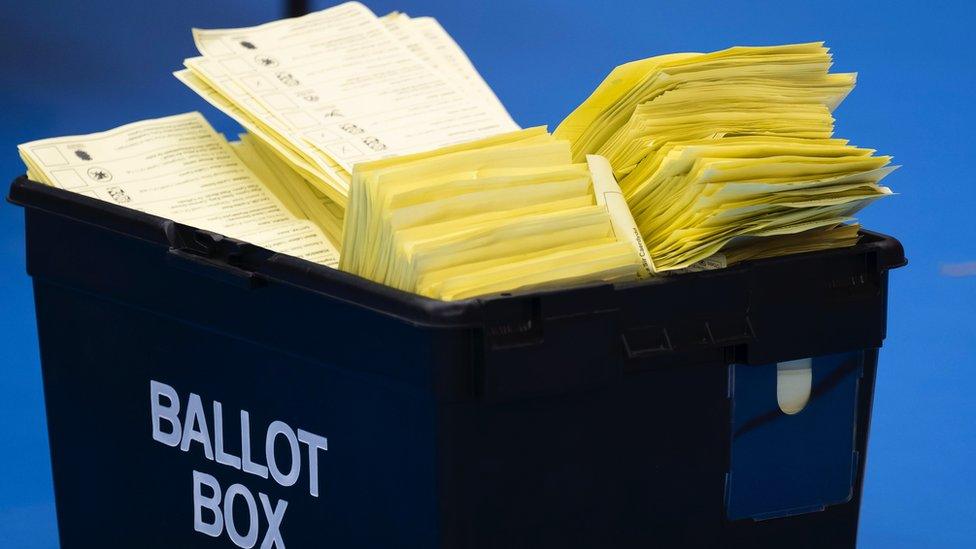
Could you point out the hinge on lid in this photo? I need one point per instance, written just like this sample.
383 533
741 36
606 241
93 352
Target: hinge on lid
211 255
643 341
512 322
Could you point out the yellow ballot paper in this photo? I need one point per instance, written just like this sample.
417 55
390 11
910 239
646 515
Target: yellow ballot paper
717 151
294 191
341 86
179 168
507 213
428 40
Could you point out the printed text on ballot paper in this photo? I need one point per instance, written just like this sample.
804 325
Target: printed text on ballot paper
182 424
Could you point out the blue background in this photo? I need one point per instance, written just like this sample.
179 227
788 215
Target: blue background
78 67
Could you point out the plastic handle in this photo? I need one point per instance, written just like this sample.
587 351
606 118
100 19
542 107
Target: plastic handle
215 270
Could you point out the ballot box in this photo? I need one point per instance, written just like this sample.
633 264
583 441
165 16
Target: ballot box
204 392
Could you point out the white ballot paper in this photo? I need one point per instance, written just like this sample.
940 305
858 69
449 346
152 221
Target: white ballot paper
337 87
179 168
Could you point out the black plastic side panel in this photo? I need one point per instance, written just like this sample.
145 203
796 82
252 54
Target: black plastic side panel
643 463
117 486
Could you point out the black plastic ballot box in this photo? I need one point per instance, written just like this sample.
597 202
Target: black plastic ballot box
204 392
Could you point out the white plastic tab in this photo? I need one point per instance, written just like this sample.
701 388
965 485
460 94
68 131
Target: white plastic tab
793 382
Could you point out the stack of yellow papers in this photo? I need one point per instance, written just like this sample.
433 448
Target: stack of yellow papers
341 86
715 152
506 213
179 168
302 199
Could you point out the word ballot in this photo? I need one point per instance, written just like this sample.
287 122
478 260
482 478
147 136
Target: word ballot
186 427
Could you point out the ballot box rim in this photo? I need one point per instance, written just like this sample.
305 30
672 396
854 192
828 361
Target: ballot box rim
260 263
